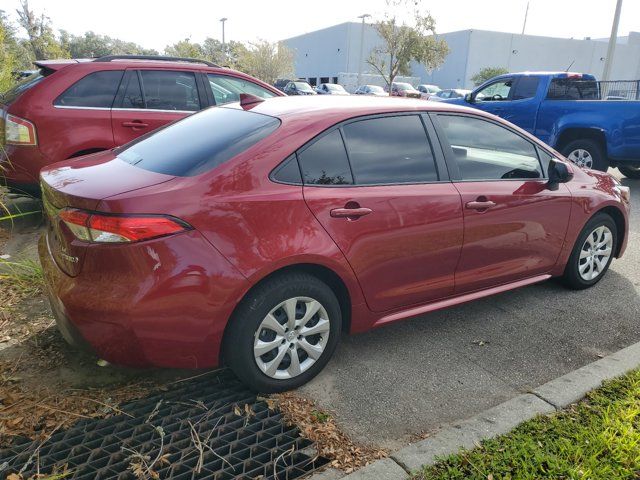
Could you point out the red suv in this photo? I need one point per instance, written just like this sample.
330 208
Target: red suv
71 108
254 233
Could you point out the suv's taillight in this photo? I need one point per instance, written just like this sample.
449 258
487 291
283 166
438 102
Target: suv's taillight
101 228
19 131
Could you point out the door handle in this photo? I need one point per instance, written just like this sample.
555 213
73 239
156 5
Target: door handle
350 212
135 124
480 205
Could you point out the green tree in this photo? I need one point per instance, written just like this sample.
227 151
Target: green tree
93 45
185 48
487 73
404 41
227 54
7 58
40 36
268 61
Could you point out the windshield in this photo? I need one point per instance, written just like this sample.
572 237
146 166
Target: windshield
403 86
305 87
337 88
22 86
198 143
375 88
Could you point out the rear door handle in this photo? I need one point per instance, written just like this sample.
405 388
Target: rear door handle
480 205
350 212
135 124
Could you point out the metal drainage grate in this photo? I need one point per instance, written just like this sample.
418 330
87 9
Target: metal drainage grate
256 444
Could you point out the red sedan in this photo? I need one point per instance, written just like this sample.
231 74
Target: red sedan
253 234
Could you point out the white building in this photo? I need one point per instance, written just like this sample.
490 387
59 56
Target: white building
323 55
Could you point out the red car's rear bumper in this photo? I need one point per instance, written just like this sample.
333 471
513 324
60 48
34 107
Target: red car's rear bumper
20 166
147 304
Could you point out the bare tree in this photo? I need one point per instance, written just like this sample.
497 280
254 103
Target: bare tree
404 41
267 61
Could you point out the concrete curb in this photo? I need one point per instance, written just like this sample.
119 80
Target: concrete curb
554 395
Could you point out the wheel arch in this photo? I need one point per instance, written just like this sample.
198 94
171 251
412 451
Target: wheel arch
619 220
570 134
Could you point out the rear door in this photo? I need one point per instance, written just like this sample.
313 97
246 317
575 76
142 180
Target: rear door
380 189
149 99
514 224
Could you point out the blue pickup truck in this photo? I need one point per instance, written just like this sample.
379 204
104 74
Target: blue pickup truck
569 112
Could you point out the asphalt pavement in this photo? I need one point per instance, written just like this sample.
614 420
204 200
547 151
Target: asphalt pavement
391 385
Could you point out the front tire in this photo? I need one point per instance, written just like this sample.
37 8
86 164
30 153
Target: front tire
630 171
586 153
592 253
283 333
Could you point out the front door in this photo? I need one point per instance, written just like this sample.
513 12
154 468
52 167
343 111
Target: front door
514 224
150 99
393 214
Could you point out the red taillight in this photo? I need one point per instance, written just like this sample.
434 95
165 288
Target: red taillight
19 131
100 228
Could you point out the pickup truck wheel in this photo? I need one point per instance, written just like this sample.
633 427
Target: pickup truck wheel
586 153
629 171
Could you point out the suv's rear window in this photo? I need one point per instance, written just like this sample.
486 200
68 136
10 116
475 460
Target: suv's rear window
198 143
22 86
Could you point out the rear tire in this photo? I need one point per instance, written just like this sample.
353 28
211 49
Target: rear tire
592 253
273 357
586 153
629 171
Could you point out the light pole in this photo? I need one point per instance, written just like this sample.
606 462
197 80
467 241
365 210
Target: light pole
224 19
612 42
363 17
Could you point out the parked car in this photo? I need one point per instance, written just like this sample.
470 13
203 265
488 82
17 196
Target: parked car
281 83
246 235
374 90
71 108
427 90
401 89
565 111
299 88
449 93
331 89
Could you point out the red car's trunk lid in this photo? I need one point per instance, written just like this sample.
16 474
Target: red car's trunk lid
82 183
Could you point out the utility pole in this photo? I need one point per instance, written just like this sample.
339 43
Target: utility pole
526 14
224 19
363 17
613 39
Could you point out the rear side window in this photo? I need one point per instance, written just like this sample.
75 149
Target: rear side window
96 90
198 143
526 88
227 89
390 150
22 86
170 90
325 162
133 93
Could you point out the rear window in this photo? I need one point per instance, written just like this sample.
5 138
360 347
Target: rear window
198 143
571 89
22 86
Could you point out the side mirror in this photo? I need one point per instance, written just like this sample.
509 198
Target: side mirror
469 98
558 173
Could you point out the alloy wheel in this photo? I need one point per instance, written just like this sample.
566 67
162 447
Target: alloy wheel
291 338
581 157
595 253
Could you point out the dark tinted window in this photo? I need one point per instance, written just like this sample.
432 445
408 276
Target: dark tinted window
198 143
227 89
325 161
22 86
170 90
572 89
390 150
97 89
132 94
486 151
526 88
288 172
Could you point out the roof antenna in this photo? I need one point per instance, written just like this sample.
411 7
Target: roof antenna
570 65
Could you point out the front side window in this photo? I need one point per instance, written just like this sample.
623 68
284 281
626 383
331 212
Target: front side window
96 90
227 89
526 88
497 91
198 143
170 90
325 162
390 150
486 151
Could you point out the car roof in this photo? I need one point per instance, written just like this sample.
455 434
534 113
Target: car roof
337 109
